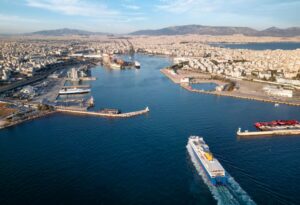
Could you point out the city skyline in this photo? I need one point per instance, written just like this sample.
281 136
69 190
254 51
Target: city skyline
123 16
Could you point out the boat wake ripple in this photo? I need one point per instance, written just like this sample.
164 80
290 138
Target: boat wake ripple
230 194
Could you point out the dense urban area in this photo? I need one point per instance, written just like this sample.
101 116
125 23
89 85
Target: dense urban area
34 69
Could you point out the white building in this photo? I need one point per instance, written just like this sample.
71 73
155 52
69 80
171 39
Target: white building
185 80
6 74
280 92
288 81
73 74
28 90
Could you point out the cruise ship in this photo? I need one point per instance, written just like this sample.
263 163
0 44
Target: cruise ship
212 167
72 91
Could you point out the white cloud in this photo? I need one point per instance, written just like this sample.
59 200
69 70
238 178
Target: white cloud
13 18
182 6
15 24
132 7
73 7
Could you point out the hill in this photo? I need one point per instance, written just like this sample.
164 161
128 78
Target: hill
65 32
219 30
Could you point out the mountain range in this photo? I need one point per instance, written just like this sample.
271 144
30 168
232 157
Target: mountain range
220 30
186 29
65 32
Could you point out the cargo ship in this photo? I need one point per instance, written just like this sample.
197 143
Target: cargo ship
278 125
212 167
72 91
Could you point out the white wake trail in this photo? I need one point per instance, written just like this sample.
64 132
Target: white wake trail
231 194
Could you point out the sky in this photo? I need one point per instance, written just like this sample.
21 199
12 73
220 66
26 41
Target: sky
123 16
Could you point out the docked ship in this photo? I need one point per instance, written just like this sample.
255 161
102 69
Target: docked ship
72 91
278 125
212 167
137 65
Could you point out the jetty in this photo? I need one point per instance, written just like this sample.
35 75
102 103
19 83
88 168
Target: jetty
233 95
247 133
107 115
176 78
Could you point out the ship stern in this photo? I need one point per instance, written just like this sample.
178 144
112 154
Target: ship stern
219 181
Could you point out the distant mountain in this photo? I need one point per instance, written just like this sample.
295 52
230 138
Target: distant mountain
65 32
219 30
274 31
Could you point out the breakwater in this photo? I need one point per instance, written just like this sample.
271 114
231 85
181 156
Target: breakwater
268 133
108 115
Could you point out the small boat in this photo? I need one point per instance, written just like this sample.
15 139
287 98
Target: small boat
137 65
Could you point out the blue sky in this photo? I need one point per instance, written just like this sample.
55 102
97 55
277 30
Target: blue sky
121 16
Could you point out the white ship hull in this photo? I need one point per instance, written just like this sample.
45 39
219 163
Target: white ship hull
73 91
213 169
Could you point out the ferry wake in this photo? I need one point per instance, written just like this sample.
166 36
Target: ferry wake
222 186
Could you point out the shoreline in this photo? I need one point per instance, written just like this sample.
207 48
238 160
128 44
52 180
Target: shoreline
40 115
224 93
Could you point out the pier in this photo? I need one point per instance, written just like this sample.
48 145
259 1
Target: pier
107 115
247 133
233 95
266 99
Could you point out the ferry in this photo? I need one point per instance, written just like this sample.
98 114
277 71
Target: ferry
71 91
212 167
277 125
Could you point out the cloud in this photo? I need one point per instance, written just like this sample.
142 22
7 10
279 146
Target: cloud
182 6
97 11
224 6
16 24
16 19
132 7
73 7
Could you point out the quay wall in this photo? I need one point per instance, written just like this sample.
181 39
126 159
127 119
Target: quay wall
221 93
268 133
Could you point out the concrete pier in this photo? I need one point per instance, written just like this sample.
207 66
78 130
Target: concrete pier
226 94
108 115
247 133
176 79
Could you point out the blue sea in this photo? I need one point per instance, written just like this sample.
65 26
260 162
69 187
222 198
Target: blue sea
204 86
69 159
